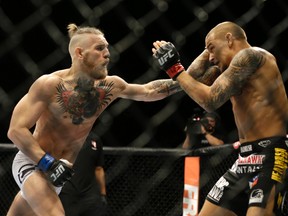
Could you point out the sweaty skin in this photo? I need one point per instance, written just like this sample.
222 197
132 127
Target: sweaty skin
259 104
66 108
65 104
250 78
59 110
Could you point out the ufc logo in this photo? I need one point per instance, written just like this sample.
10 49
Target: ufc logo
164 58
58 171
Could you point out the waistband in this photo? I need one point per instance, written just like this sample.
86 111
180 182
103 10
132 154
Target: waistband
260 144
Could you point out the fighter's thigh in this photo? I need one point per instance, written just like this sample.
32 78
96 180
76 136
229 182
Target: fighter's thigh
268 211
19 206
41 196
209 209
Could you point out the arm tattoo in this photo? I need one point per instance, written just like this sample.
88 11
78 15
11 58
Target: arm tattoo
210 75
198 68
166 86
85 99
241 68
244 65
203 70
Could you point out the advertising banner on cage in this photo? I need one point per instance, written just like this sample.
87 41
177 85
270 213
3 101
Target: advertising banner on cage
191 186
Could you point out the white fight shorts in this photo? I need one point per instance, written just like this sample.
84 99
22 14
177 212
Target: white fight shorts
22 168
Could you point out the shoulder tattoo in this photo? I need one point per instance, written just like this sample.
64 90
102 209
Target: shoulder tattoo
244 65
241 68
249 59
85 99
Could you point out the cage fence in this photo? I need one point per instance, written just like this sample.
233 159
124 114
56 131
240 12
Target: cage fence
139 181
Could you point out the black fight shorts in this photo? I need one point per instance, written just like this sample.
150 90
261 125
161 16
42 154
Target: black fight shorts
261 165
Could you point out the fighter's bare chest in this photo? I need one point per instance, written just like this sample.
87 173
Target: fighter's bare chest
81 101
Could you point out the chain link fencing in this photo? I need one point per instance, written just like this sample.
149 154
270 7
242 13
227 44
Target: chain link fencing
140 181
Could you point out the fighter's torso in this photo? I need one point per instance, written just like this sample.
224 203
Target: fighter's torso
71 113
261 109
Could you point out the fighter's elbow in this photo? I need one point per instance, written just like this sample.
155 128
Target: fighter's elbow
12 133
15 133
208 105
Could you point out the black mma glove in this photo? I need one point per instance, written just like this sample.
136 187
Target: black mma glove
57 171
169 60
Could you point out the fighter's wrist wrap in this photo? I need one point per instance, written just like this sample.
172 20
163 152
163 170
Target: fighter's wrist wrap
175 70
169 60
46 162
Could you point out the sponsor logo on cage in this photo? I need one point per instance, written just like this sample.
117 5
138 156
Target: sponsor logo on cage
24 171
190 200
245 148
217 191
280 164
264 143
256 196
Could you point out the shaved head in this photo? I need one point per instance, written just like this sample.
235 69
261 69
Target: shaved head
220 30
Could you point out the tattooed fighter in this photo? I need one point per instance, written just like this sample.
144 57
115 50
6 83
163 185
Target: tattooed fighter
251 79
63 107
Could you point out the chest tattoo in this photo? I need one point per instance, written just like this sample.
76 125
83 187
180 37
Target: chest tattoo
85 99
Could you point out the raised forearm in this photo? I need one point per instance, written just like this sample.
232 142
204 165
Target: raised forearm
198 91
202 70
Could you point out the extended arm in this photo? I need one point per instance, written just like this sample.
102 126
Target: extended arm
152 91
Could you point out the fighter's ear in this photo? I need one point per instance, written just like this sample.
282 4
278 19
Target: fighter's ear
229 38
78 52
